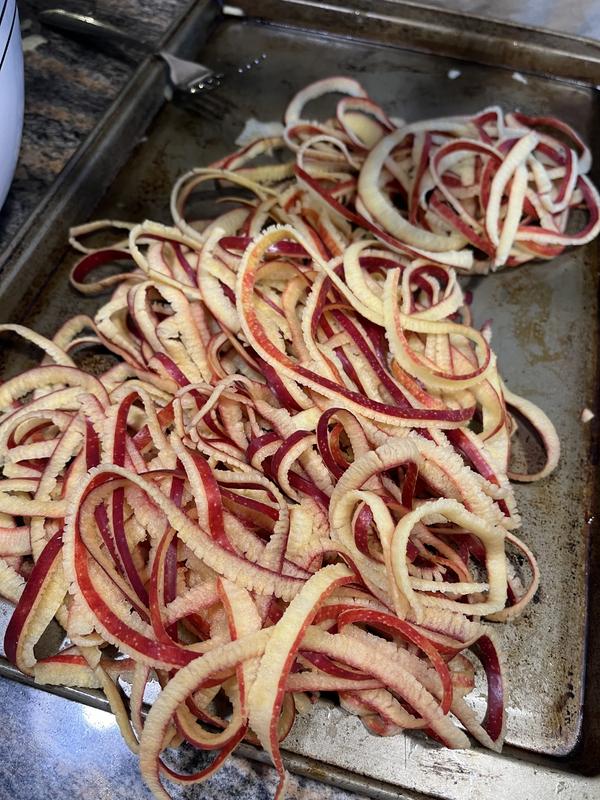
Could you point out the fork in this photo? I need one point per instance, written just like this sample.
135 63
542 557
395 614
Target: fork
187 77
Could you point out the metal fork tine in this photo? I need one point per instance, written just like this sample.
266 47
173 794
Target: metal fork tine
201 90
214 80
206 84
254 62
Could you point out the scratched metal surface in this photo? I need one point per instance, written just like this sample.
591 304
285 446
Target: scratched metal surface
545 333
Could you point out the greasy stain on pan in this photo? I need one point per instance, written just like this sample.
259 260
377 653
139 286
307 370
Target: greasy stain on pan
545 332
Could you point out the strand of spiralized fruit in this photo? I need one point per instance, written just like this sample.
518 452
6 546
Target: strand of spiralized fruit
293 477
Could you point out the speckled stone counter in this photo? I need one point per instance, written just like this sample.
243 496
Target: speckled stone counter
68 85
52 748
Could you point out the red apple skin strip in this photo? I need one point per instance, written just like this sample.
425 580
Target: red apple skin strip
267 692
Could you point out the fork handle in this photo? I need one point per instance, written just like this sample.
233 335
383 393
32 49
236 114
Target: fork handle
86 25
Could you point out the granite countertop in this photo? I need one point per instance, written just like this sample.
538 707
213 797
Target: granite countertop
52 747
68 86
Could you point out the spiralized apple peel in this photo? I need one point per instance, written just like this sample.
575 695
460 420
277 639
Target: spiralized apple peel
293 475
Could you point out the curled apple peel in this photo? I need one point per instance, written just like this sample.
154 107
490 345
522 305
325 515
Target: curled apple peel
292 476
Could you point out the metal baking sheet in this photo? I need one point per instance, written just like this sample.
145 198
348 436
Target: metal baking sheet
545 328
